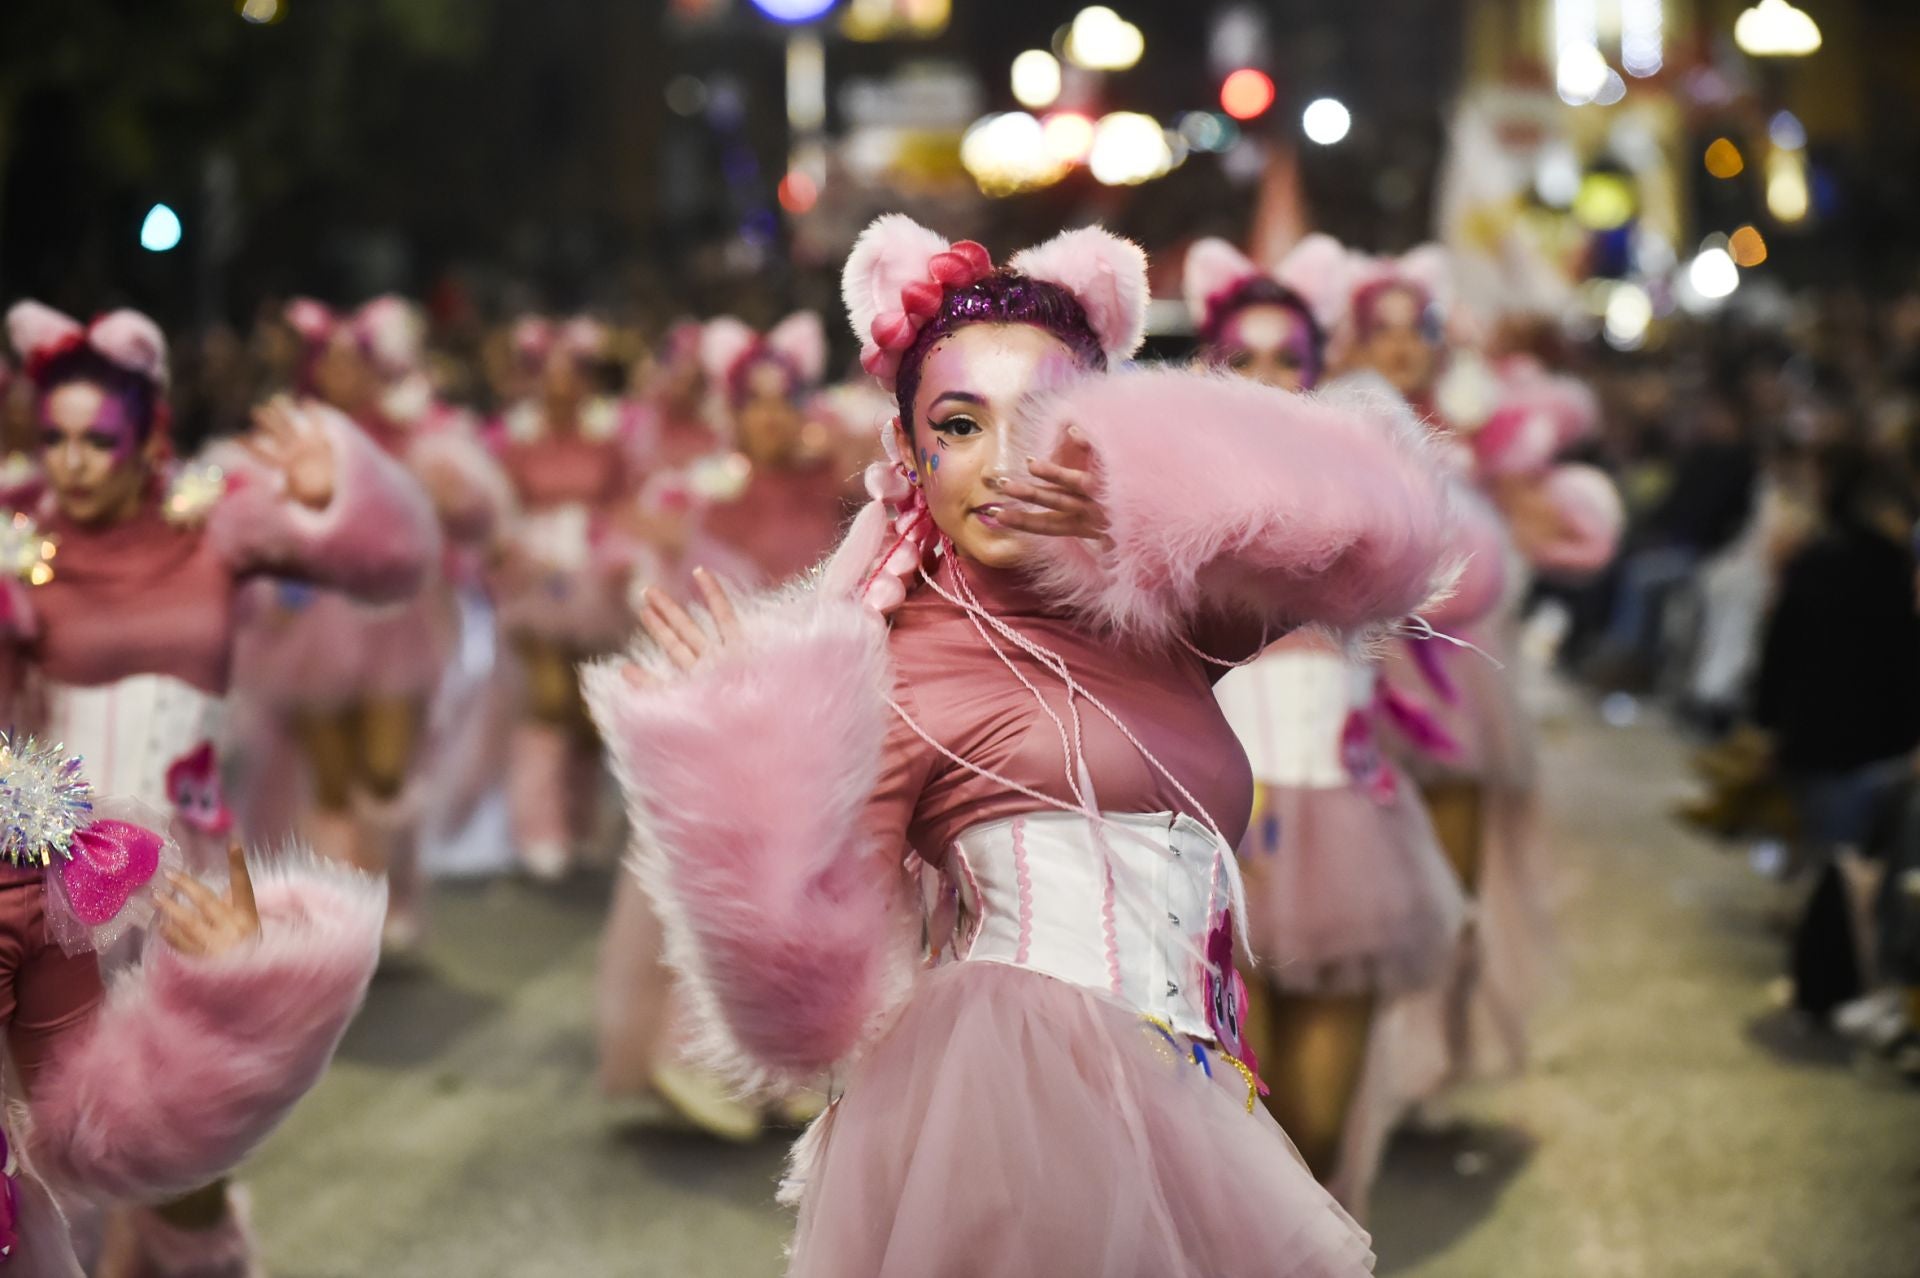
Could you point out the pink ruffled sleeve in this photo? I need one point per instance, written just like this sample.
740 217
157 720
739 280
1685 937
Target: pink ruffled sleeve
1228 498
777 872
190 1063
376 539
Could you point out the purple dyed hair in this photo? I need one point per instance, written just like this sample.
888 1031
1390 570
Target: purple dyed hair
1002 297
145 407
1260 290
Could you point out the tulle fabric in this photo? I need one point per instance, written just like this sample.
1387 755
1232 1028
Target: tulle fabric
1011 1124
1348 893
318 649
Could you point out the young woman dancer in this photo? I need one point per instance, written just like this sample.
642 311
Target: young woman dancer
1005 673
1351 900
351 683
120 633
759 515
561 578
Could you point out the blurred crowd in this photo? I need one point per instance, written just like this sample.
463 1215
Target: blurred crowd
1765 594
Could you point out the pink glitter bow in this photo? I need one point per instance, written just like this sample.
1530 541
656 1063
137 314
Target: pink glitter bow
111 860
892 332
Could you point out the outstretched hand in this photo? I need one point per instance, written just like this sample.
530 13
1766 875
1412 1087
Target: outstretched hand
678 633
1062 487
287 440
199 922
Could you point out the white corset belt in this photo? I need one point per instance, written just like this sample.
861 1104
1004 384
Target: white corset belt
1290 709
1039 893
131 731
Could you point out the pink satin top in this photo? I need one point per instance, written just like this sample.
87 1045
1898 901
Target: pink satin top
140 596
955 689
785 520
564 470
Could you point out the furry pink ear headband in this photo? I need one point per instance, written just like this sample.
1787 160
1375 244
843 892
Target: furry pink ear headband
391 332
899 272
126 339
729 345
582 337
1317 270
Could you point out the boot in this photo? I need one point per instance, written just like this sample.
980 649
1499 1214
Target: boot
154 1247
538 789
389 844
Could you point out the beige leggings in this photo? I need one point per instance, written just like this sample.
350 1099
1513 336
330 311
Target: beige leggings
1312 1048
366 748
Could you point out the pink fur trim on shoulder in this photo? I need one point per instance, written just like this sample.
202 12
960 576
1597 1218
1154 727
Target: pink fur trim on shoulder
1591 517
1106 273
1212 267
376 539
1479 549
471 493
1223 495
747 782
190 1063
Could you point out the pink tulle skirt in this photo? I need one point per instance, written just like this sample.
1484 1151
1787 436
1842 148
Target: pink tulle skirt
307 649
1015 1125
1347 893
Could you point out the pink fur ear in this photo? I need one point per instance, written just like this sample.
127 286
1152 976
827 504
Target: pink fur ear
1431 267
132 341
802 340
1212 267
314 321
391 329
1108 275
532 336
722 342
583 336
893 252
34 327
1320 270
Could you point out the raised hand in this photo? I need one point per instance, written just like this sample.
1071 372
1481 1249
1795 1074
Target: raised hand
199 922
1063 489
677 632
285 439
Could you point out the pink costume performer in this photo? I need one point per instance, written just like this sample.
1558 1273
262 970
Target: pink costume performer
784 494
169 1077
1351 900
759 514
1510 424
122 629
353 682
1005 674
560 580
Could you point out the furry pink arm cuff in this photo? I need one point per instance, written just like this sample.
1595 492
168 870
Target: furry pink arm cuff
190 1063
376 539
1227 496
748 781
471 493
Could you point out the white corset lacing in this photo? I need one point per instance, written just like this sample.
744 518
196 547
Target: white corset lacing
130 731
1037 892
